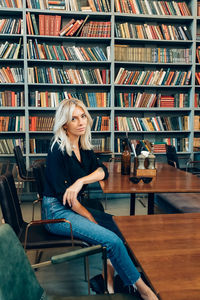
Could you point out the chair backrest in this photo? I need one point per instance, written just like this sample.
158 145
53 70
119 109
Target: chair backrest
17 278
39 174
20 162
172 158
10 203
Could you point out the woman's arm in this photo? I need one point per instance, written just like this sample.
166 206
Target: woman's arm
81 210
71 193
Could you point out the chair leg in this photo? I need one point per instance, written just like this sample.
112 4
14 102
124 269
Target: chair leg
38 256
85 268
86 259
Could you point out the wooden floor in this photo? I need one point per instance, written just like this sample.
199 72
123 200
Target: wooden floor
68 279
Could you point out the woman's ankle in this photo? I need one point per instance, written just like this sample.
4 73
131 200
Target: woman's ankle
145 292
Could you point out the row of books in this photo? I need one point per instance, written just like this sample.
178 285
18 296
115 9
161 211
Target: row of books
73 27
152 32
52 99
101 123
14 123
99 5
96 29
11 26
197 122
11 3
181 144
39 145
12 98
101 144
37 123
70 76
159 77
151 100
59 52
157 147
150 7
70 5
7 145
11 75
196 144
159 123
153 55
177 100
197 100
10 50
50 25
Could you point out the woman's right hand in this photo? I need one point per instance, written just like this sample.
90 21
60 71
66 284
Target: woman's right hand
71 193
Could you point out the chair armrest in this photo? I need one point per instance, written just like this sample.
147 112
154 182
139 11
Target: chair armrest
60 258
40 222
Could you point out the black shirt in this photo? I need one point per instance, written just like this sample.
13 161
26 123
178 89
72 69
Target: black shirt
63 170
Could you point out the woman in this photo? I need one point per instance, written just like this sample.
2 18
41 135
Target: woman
71 165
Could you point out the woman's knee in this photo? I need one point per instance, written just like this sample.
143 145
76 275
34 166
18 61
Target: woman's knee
114 243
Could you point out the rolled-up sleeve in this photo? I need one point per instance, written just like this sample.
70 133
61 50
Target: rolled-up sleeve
97 163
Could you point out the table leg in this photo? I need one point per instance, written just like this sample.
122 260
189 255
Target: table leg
132 204
150 203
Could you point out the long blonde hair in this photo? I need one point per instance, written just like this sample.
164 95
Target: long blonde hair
64 116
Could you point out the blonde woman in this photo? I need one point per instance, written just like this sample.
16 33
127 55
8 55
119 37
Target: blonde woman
71 165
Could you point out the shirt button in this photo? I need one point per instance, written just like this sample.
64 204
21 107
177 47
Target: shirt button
65 181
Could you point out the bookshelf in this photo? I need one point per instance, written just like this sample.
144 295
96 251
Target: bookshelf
134 60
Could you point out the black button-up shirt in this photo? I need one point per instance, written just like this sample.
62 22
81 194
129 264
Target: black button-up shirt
63 170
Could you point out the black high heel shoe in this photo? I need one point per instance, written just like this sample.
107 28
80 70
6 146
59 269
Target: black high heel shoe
97 284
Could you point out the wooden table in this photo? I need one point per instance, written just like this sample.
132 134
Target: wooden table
167 180
167 248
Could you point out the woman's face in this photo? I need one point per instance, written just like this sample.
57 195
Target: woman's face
77 126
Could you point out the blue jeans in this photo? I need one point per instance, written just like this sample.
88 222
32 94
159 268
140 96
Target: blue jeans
92 233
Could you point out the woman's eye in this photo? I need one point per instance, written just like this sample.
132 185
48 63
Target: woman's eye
83 116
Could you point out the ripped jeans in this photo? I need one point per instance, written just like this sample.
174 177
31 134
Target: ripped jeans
104 233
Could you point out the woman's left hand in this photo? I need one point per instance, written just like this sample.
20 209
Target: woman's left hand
71 193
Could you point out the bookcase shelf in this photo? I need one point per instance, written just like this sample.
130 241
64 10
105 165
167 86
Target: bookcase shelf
110 90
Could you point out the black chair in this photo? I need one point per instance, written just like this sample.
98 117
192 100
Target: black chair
24 175
32 235
172 158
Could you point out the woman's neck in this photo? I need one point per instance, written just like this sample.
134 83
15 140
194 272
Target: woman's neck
74 143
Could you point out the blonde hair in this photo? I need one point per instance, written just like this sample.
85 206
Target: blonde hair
64 116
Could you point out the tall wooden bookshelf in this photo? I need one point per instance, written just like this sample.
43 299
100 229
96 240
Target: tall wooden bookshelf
113 110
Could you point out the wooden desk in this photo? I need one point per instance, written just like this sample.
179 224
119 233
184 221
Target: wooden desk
167 247
167 180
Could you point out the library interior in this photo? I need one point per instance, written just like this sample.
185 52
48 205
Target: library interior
99 149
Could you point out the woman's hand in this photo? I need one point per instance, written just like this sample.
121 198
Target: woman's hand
71 193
